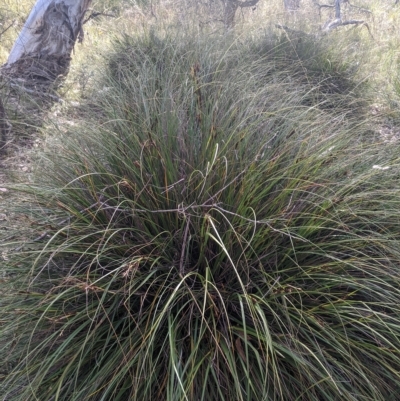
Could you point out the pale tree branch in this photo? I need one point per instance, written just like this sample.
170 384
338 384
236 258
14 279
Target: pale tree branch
336 6
362 9
338 15
333 24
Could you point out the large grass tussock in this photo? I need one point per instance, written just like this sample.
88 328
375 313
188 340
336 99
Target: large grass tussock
222 226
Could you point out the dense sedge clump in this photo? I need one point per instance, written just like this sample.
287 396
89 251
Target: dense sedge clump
212 232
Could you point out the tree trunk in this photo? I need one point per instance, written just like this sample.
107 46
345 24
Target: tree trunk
230 8
291 5
42 51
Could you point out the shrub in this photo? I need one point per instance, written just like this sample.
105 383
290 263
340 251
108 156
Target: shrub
212 232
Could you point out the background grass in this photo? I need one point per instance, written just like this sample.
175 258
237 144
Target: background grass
212 217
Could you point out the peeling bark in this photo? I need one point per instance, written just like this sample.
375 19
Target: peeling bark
42 51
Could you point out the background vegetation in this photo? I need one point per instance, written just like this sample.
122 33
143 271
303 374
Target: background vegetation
211 215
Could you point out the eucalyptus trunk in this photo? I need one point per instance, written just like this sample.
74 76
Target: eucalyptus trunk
43 48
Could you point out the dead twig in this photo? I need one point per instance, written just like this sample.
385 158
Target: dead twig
44 235
5 30
81 34
182 259
96 14
322 6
